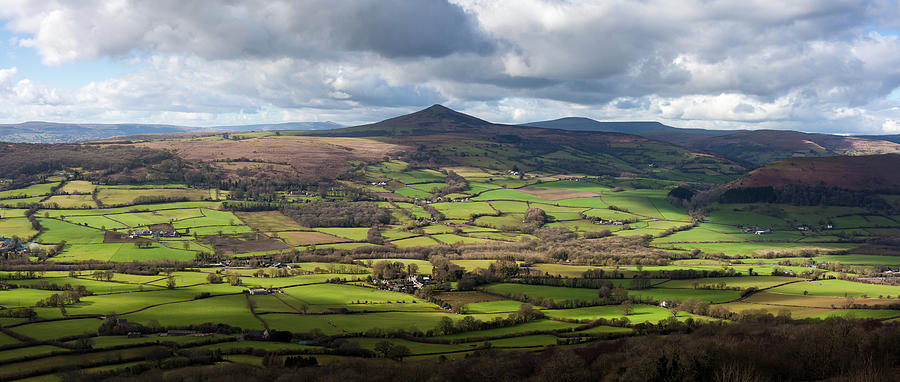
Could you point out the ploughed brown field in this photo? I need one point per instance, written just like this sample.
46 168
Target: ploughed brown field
549 194
313 156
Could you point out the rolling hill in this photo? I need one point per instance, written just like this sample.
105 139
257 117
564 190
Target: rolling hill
442 136
862 173
753 147
439 136
50 132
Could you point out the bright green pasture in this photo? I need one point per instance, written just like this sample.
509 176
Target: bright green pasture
299 323
97 221
30 191
210 218
121 252
230 310
501 222
123 303
564 270
860 259
98 287
548 292
641 313
605 329
58 329
425 267
120 197
507 194
20 227
501 306
507 206
23 297
56 231
160 208
839 288
756 249
743 282
138 219
861 313
533 326
421 241
463 210
735 214
659 294
414 193
340 295
502 236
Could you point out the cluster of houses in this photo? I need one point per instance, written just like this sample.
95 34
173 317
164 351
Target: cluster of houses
263 291
609 222
156 234
379 184
757 230
8 245
404 285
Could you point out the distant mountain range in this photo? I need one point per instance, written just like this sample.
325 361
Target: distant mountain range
754 147
51 132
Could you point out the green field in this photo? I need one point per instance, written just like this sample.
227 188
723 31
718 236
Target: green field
839 288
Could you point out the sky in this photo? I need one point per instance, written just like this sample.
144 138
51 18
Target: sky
808 65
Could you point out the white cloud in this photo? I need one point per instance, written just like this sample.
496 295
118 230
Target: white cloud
810 65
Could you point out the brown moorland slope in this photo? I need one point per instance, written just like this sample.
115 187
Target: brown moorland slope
309 156
868 172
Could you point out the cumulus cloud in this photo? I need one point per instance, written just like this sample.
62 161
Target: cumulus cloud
812 65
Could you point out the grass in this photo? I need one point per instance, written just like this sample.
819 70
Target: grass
731 282
20 227
56 231
533 326
77 187
58 329
124 197
70 201
556 294
230 310
501 306
463 210
340 295
711 295
421 241
29 351
641 313
839 288
861 313
40 189
355 234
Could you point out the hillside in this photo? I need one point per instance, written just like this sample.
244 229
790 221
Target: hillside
443 136
764 146
50 132
629 127
863 173
756 148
